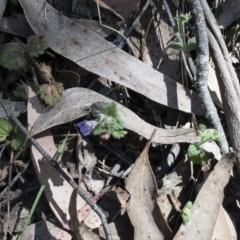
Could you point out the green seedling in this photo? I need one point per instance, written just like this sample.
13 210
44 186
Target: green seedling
196 153
186 212
7 129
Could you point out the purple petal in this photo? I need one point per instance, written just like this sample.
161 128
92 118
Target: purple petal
85 127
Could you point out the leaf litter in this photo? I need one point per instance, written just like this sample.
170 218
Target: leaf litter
73 51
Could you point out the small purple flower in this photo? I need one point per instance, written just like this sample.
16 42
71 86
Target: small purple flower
86 127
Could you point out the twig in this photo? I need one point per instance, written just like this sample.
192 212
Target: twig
209 109
179 39
137 19
218 35
60 170
134 23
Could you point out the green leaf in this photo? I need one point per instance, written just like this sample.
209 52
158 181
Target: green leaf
20 93
186 212
198 155
119 134
183 18
19 141
37 45
208 135
191 45
6 127
111 110
13 58
177 46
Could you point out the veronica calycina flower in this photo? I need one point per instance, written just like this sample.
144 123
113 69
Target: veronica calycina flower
107 121
86 127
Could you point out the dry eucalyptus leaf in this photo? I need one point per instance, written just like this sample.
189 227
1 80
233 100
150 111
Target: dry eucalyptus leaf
76 102
15 108
146 217
57 190
97 55
208 202
17 24
224 228
96 27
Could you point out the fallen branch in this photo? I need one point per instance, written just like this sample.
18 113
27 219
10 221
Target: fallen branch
208 107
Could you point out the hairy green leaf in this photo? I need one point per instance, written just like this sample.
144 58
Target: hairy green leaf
119 134
6 127
20 93
13 58
198 155
19 141
37 45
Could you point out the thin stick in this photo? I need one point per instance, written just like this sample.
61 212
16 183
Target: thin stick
60 170
208 107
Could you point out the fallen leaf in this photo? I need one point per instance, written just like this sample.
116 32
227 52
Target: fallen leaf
208 202
97 55
76 102
142 207
17 24
224 228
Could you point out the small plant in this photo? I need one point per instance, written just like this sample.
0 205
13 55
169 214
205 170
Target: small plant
191 44
196 153
14 57
7 128
106 122
186 212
